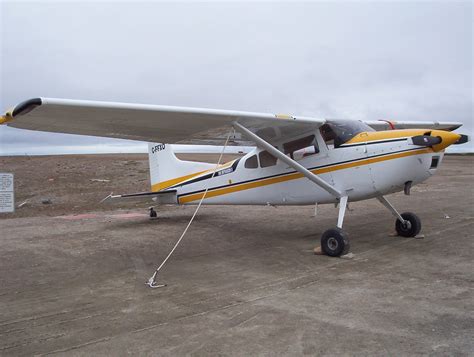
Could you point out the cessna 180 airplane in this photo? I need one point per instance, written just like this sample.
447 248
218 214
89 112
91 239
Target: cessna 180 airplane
297 160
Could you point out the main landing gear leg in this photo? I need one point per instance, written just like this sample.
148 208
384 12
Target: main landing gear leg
335 242
407 224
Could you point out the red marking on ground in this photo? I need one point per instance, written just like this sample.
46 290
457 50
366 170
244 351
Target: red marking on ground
127 215
79 216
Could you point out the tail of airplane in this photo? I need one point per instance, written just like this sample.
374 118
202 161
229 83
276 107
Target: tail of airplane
167 170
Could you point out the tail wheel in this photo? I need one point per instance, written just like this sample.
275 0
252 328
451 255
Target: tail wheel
411 227
335 242
152 213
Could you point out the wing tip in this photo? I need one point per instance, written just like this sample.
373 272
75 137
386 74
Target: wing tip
26 106
456 125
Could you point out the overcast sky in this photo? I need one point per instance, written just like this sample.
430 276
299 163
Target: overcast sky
361 60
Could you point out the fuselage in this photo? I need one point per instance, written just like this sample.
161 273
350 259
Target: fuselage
368 165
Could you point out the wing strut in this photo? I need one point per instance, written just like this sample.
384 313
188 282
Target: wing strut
289 161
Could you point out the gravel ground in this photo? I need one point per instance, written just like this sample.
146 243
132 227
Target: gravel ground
245 280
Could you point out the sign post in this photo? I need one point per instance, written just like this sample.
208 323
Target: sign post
7 195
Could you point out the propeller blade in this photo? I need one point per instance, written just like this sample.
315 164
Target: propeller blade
462 140
426 140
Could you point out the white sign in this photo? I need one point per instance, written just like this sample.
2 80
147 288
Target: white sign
7 197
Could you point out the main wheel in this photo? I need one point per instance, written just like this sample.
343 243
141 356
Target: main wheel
335 242
412 226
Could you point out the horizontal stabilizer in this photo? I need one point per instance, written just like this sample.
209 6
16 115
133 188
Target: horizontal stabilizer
164 197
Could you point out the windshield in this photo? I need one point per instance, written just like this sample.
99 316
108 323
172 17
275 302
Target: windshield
338 132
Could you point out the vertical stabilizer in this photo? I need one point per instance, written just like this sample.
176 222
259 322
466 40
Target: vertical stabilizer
167 170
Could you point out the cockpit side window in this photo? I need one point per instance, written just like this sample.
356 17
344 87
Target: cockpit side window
251 162
301 147
337 132
328 135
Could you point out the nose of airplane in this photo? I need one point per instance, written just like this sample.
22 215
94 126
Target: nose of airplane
447 138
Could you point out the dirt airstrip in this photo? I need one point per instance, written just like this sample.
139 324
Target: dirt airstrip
244 281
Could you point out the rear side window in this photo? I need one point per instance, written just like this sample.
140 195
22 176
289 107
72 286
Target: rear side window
266 159
252 162
307 144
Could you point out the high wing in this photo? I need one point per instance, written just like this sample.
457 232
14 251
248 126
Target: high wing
388 125
156 123
152 123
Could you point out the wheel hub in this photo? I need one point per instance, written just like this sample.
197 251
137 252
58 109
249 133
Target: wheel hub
332 243
406 225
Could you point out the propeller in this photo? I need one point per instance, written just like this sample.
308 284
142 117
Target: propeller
438 139
462 140
426 140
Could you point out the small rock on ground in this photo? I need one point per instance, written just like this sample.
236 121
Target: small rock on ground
347 256
317 250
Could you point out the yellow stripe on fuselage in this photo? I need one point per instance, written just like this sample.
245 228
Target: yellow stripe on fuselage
165 184
168 183
385 135
297 175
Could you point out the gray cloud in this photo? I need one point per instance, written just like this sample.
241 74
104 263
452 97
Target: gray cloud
364 60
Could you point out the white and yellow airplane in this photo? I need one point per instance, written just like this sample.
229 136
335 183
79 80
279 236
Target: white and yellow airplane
296 161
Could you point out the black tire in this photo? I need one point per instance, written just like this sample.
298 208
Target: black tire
335 242
412 228
153 213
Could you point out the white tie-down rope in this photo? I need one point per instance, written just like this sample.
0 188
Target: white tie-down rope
152 281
